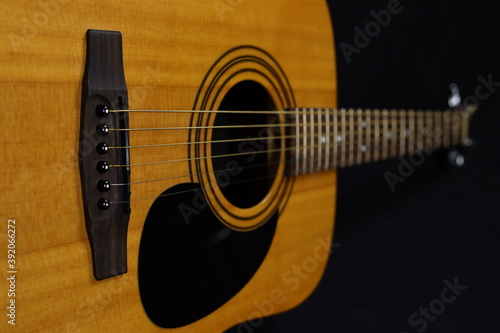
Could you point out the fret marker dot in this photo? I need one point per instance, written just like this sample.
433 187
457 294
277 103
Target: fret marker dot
323 139
389 134
363 148
339 138
363 124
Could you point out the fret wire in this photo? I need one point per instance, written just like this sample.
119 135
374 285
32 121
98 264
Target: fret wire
465 125
444 125
320 141
385 116
446 130
443 134
335 135
420 126
452 129
427 126
449 119
312 152
297 152
455 116
394 134
461 139
430 130
362 137
423 127
402 139
456 119
368 120
411 139
437 132
342 137
327 151
304 150
351 136
402 135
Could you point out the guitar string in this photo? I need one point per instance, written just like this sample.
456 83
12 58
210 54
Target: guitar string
204 173
382 115
277 150
360 120
198 174
345 140
224 170
206 142
244 168
294 111
367 123
358 123
258 138
374 142
193 190
339 144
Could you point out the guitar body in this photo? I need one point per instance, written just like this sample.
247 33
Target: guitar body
272 238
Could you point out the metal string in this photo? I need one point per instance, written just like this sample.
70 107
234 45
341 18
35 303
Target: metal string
383 116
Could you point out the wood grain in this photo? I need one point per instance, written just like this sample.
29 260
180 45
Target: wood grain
168 49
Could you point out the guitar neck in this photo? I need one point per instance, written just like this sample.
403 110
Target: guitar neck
327 139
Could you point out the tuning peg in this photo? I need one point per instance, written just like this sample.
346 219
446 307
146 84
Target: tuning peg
456 158
454 100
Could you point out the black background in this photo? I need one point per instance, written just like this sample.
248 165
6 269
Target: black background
398 247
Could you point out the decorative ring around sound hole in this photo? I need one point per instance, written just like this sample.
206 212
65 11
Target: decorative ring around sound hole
240 164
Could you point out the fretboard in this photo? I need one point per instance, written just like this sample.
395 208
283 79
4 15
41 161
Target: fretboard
324 139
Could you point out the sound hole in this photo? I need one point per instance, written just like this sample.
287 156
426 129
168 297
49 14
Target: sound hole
247 173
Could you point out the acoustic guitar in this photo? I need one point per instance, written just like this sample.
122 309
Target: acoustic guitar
170 165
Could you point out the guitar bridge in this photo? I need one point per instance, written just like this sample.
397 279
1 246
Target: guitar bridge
103 153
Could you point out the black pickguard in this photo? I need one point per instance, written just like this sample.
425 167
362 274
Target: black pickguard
189 263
